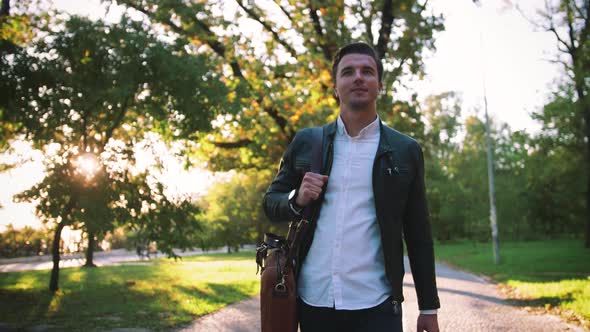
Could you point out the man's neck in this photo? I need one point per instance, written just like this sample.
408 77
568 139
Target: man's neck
355 121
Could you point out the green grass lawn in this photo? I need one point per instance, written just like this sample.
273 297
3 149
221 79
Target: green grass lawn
552 275
160 295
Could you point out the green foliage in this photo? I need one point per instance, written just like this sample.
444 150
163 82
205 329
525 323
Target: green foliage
84 82
26 241
556 185
119 238
161 295
89 92
280 75
234 214
145 208
569 22
562 121
538 195
95 88
16 30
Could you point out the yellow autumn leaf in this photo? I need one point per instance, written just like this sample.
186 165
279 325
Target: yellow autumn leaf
325 76
231 96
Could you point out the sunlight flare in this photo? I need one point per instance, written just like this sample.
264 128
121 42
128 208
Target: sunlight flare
87 165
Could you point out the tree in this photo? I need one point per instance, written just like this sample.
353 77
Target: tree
280 75
233 215
16 30
90 91
569 21
556 181
26 241
441 114
511 167
468 169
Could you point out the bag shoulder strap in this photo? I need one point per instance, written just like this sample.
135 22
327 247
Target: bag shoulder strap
297 230
317 156
317 149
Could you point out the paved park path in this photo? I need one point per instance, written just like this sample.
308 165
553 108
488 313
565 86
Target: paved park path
101 258
469 303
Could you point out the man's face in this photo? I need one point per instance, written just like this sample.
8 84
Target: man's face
357 81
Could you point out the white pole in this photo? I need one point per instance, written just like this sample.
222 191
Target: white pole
492 191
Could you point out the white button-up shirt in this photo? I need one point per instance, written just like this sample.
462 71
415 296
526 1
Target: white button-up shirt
345 268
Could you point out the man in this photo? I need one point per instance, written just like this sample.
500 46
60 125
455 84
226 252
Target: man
372 196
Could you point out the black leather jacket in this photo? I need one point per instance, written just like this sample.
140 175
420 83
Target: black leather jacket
400 202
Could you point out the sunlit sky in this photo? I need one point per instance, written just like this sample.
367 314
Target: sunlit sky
493 38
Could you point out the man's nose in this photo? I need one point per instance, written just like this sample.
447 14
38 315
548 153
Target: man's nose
358 75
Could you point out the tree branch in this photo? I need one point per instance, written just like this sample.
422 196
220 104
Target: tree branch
221 51
422 7
398 70
558 62
117 120
571 31
5 9
531 22
276 36
318 29
579 10
278 3
586 29
559 39
294 26
385 30
210 41
233 145
366 20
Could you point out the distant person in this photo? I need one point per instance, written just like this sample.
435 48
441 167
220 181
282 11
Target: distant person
373 197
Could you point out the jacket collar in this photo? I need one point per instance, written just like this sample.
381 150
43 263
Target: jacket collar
385 144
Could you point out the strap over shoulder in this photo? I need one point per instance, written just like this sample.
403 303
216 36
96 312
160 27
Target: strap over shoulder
317 147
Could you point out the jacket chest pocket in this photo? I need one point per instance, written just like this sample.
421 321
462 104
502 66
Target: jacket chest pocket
398 177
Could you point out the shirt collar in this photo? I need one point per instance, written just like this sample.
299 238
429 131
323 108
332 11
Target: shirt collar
370 130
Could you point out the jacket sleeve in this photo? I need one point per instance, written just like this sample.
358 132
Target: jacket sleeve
276 200
418 236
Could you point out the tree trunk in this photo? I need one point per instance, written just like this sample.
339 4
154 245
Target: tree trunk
5 9
90 250
585 108
54 281
587 118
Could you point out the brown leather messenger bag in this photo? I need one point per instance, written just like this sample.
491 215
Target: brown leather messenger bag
277 256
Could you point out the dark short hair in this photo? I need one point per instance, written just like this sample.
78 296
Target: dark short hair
356 48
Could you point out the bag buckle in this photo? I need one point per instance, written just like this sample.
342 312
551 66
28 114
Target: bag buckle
280 288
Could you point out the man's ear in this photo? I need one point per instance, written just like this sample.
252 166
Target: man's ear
380 87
